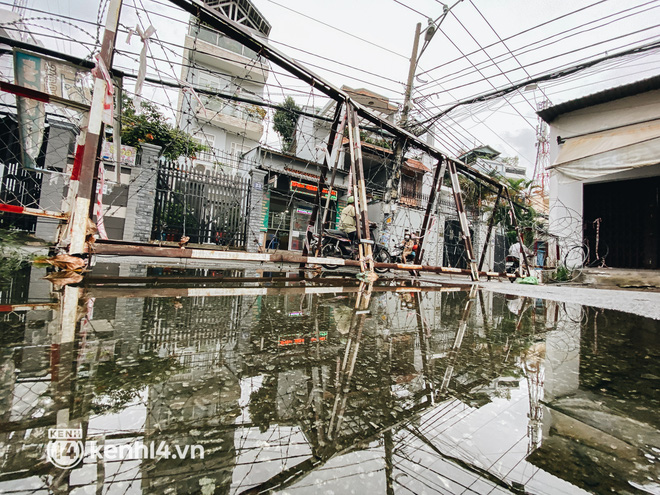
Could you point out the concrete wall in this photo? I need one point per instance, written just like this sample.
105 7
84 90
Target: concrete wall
255 212
142 196
310 134
626 111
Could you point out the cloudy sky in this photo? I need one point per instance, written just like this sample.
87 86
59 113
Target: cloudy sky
481 45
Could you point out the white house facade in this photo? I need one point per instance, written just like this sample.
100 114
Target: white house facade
605 176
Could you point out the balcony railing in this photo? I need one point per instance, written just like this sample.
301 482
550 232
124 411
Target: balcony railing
240 111
410 196
220 40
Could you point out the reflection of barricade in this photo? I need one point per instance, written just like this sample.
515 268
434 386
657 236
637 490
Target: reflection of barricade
30 396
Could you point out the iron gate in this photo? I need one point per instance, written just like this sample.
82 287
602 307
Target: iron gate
208 207
454 245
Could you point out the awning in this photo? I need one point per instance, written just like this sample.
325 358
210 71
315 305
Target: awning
415 166
609 152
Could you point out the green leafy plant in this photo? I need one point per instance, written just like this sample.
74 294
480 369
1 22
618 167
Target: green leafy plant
285 120
12 258
561 274
150 126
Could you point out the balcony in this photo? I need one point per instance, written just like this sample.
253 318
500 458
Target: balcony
412 197
229 160
215 50
239 118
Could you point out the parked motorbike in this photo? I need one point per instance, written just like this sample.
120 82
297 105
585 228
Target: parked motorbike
336 244
512 265
397 253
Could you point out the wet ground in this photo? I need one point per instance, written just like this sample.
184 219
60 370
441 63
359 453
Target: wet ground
155 380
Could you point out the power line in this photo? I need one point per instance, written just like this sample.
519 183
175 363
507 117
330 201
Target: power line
337 29
545 77
521 33
503 43
487 79
527 48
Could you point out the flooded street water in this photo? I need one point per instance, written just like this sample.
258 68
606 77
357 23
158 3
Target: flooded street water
180 387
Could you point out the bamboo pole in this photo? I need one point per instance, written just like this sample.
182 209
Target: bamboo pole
365 243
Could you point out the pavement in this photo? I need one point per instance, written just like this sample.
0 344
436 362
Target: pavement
639 302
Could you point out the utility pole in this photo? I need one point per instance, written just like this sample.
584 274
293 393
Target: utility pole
411 75
82 176
392 192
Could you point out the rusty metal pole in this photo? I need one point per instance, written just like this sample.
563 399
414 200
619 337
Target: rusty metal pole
462 218
458 339
439 171
321 184
336 150
82 176
491 222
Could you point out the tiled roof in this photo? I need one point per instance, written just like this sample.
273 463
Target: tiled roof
416 165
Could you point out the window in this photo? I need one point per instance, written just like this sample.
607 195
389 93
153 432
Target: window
206 140
237 149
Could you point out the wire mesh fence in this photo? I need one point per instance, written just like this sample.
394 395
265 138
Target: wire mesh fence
31 198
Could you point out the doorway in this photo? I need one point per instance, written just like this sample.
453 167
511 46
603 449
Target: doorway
621 223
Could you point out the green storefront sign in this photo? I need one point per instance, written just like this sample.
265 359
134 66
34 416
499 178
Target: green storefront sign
265 208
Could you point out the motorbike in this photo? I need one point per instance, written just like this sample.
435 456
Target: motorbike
336 244
397 253
512 266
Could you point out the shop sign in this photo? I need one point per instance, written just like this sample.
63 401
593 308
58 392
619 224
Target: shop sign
310 189
71 85
265 207
297 340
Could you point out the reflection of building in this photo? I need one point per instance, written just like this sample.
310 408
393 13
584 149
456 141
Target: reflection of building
600 407
296 390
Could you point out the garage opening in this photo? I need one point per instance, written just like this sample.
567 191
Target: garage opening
622 223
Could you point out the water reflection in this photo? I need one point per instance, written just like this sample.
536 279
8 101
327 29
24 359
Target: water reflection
306 388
